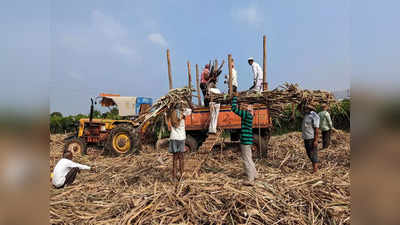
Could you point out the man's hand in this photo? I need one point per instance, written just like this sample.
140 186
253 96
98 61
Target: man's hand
315 143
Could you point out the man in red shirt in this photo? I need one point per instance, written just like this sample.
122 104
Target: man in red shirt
203 83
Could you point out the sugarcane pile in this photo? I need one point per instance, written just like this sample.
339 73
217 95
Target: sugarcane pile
278 98
137 189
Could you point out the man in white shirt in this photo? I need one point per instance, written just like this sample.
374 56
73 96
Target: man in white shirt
178 136
258 75
65 171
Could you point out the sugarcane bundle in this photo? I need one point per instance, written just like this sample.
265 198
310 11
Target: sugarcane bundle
278 98
154 118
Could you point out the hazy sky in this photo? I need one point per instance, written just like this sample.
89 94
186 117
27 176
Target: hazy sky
83 48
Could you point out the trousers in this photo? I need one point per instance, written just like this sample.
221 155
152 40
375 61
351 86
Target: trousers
248 164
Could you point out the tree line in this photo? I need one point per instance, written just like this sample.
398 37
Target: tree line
65 124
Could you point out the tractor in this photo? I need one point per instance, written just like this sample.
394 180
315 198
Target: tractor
116 137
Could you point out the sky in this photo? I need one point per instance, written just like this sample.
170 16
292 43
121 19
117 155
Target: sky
73 50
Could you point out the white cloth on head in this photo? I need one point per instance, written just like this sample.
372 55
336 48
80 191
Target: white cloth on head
214 112
179 133
234 78
62 168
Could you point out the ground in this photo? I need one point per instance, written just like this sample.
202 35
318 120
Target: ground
137 189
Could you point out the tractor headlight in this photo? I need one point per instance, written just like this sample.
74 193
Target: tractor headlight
103 128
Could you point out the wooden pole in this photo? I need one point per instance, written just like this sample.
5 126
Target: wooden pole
189 74
190 78
169 70
198 85
230 73
216 65
265 84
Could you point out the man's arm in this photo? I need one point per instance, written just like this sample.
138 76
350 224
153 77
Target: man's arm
236 110
187 112
316 135
80 166
255 72
316 121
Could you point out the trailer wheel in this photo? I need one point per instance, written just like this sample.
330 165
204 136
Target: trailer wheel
190 144
75 145
257 142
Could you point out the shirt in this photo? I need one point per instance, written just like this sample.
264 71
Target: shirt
257 72
62 168
310 122
234 78
205 72
178 133
246 133
325 121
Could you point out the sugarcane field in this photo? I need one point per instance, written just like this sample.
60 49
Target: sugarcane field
202 155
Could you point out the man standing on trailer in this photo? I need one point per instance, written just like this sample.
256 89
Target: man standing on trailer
310 130
246 139
203 83
257 74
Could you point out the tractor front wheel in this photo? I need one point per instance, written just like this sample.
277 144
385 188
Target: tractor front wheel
75 145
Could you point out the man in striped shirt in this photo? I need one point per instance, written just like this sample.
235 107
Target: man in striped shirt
246 138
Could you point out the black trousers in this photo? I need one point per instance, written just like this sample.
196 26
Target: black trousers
312 151
70 177
326 138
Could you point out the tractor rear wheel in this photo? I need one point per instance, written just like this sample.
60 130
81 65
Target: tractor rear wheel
122 140
75 145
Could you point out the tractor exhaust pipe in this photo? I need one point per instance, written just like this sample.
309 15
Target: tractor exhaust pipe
91 111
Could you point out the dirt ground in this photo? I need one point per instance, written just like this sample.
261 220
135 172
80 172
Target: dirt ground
137 189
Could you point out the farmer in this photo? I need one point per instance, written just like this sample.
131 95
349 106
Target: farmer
176 118
257 74
246 139
326 126
65 171
310 129
203 83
